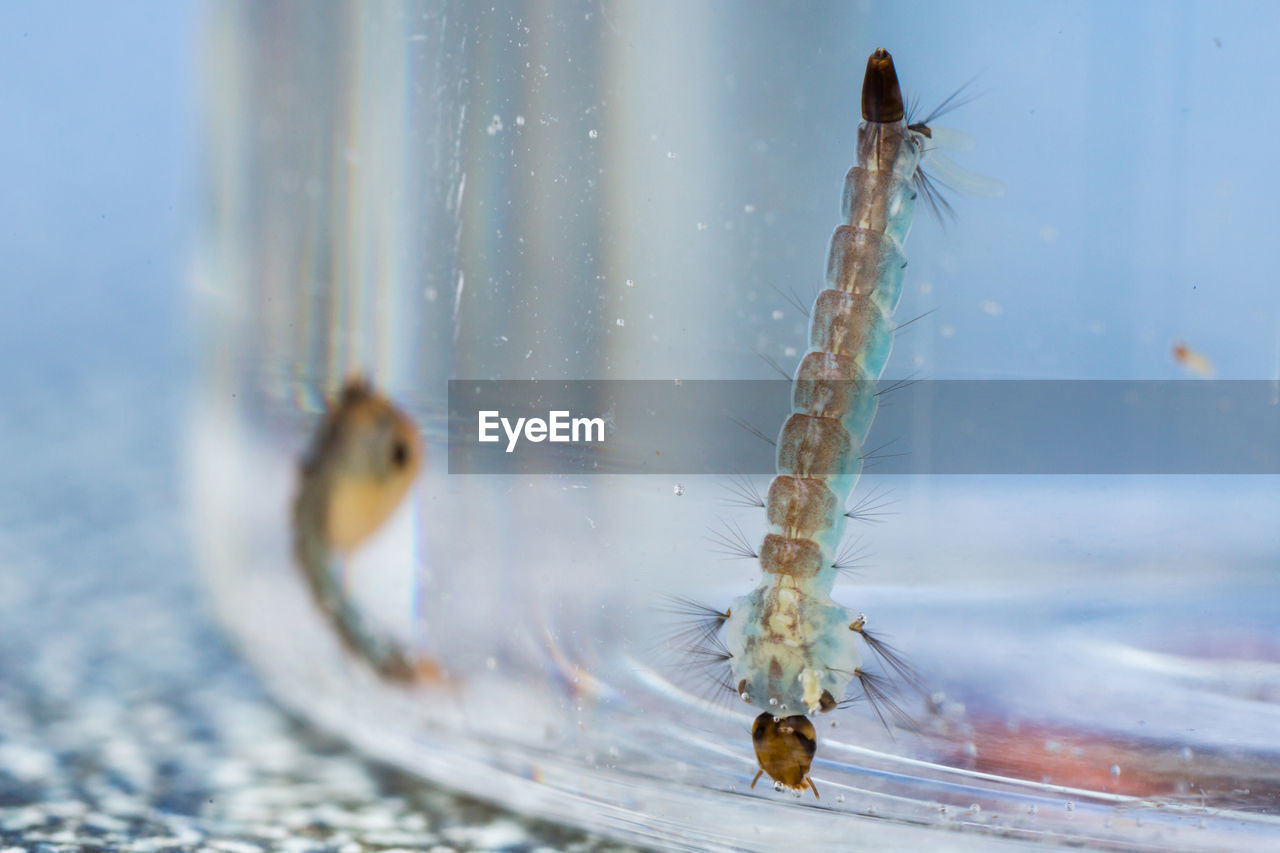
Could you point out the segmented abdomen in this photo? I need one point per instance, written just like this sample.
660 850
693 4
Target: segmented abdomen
820 447
792 647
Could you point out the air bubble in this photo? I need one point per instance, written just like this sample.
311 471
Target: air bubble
773 701
631 283
678 489
1115 770
620 322
593 133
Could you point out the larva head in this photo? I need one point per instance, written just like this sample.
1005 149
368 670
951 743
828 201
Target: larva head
785 747
371 453
881 94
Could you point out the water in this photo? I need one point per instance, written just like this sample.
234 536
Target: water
436 192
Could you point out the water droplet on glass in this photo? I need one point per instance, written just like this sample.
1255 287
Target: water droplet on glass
1115 770
593 133
495 125
975 807
773 701
777 786
519 121
631 283
620 321
1071 806
678 488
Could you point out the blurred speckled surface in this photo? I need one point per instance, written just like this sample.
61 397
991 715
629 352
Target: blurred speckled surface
126 721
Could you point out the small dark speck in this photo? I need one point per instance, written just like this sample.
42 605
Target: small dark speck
1217 42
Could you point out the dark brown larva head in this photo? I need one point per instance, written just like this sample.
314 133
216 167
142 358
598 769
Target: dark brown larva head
363 462
784 749
881 94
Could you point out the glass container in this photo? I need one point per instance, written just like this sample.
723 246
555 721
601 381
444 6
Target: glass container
425 192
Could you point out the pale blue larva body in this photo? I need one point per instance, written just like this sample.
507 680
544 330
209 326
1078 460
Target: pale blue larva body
793 650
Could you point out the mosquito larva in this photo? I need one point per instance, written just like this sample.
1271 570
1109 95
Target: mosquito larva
363 459
791 650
